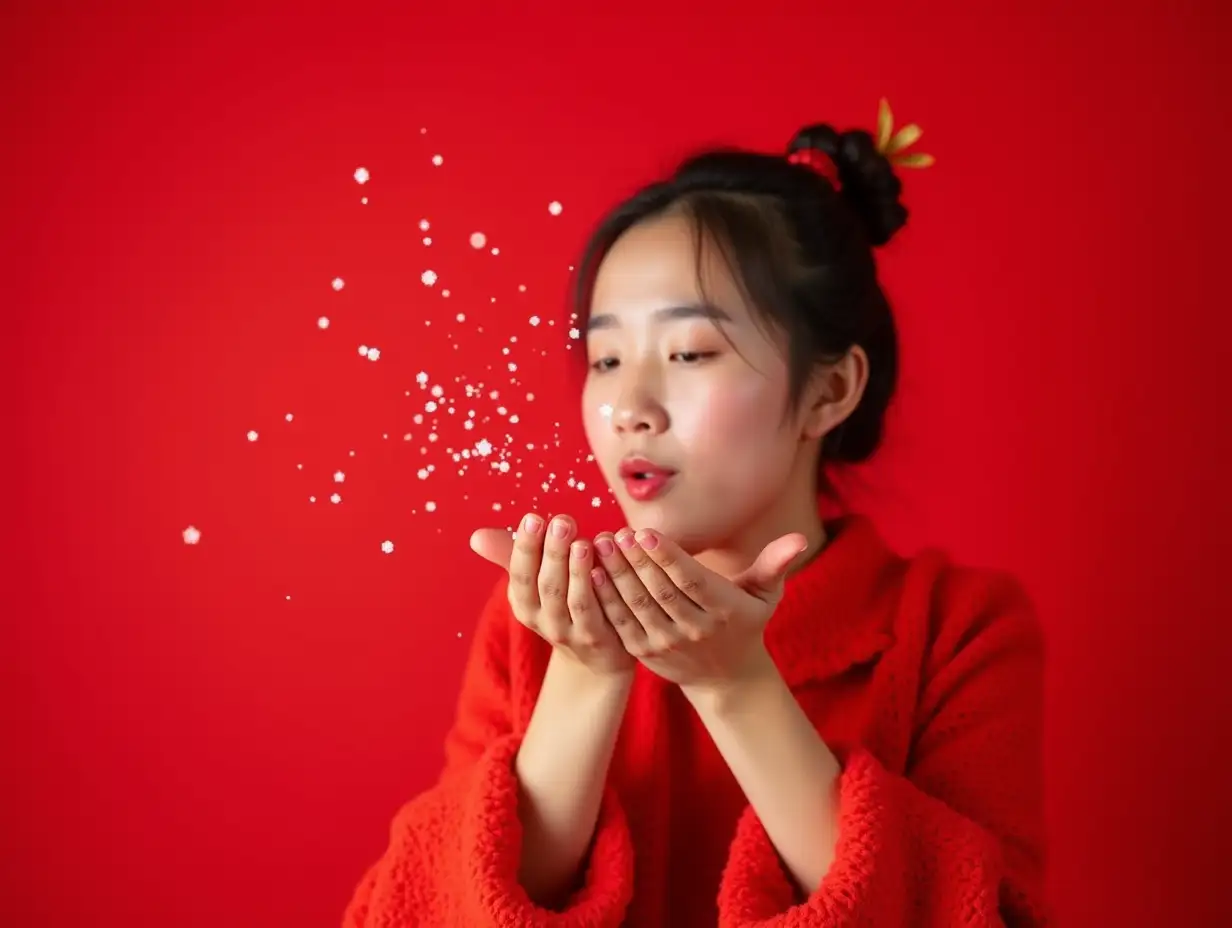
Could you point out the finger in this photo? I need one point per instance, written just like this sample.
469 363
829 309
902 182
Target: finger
678 606
589 626
524 565
493 544
689 577
764 577
629 585
554 571
617 612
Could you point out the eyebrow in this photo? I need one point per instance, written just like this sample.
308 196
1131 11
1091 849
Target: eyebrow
666 314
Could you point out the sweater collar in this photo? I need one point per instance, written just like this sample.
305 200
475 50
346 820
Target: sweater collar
836 611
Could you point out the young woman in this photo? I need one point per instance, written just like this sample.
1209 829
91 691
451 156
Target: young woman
734 712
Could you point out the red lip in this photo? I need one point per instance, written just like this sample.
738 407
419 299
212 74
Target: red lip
633 467
644 479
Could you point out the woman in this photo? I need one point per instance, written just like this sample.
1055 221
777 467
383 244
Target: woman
734 711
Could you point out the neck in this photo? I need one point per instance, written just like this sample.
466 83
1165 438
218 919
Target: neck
793 513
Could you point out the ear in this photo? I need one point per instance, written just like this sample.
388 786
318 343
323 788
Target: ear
833 392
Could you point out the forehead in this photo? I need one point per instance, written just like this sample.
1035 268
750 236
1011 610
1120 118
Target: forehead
655 263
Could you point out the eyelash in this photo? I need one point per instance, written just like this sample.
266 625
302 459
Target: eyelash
698 358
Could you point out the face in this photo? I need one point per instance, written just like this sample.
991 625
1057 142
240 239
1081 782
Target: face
686 397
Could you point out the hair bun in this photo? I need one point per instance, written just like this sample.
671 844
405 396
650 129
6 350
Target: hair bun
867 179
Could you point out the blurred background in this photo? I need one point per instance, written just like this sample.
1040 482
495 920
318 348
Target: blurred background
286 319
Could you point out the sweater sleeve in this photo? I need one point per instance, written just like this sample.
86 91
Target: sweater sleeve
958 838
454 851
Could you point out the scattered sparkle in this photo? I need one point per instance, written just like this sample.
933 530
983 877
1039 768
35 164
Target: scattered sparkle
290 416
338 283
339 476
430 506
252 435
595 501
428 278
361 175
496 251
374 354
461 317
424 225
438 160
427 240
478 239
535 320
335 498
323 323
555 208
192 535
575 332
387 547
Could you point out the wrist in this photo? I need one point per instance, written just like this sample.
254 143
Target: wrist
758 675
574 675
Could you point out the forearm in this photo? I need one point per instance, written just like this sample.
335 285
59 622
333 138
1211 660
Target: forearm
786 771
561 769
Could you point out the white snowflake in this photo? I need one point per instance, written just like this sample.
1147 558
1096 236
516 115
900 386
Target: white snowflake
192 535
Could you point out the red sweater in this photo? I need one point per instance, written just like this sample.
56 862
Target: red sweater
923 678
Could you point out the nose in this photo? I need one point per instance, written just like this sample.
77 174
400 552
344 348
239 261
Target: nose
637 410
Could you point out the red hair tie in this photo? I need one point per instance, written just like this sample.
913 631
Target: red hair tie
819 161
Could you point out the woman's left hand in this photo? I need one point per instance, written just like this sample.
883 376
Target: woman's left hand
685 622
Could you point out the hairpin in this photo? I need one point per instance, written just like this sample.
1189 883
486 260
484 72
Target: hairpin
893 144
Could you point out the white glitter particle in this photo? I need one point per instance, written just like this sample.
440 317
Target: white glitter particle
534 320
361 175
338 283
387 547
595 502
444 293
496 251
521 288
430 506
299 466
555 209
252 436
478 239
424 225
312 499
335 499
339 476
606 410
363 351
192 535
461 317
423 473
427 240
323 323
438 391
374 354
512 366
483 447
428 278
438 160
363 201
430 406
530 397
421 377
496 507
575 332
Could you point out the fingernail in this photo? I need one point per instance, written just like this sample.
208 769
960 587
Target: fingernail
560 528
578 550
604 546
648 540
598 576
625 540
532 524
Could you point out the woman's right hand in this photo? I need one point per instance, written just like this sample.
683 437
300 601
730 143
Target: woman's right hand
551 592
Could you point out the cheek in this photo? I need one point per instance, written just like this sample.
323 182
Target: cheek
726 416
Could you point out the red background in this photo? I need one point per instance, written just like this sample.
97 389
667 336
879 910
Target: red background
186 746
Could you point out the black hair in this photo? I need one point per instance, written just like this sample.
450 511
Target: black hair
800 249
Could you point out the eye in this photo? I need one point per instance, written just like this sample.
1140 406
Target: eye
603 364
693 357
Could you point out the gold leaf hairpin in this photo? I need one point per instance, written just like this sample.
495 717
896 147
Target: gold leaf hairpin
893 144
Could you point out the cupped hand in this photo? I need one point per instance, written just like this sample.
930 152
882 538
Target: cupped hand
551 590
685 622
